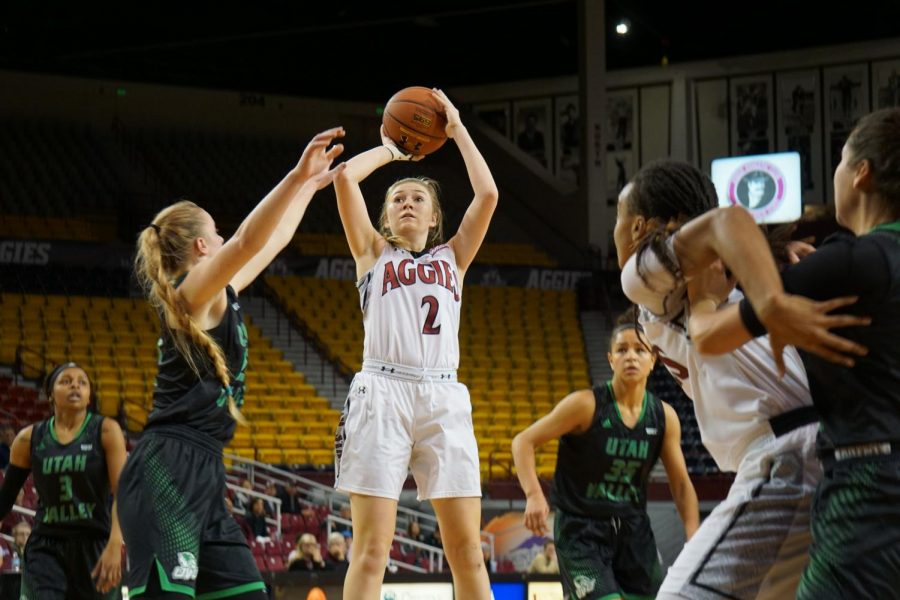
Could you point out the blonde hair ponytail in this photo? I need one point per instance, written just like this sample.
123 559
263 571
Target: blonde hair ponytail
163 252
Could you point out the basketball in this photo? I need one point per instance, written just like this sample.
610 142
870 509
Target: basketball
415 121
316 594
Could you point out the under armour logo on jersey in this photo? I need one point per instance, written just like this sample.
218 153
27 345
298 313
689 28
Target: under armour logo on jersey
607 424
361 389
187 567
236 306
651 430
87 447
584 585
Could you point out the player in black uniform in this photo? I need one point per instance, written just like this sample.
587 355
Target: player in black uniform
610 438
75 457
856 513
181 541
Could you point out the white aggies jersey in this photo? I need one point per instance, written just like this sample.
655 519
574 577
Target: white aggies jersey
734 394
411 308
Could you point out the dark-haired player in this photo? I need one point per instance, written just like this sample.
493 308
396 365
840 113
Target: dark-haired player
752 421
75 458
609 439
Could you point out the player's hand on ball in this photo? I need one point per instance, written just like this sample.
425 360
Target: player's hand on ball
396 152
453 120
536 511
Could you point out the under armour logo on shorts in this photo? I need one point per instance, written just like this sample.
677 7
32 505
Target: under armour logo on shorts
361 389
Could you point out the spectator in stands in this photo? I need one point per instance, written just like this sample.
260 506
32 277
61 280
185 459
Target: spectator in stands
239 519
411 356
307 556
291 501
414 532
80 456
345 513
256 520
754 420
175 477
336 558
20 533
602 525
7 436
435 538
545 562
242 500
271 505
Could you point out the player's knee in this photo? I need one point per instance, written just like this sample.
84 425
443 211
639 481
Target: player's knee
371 557
465 555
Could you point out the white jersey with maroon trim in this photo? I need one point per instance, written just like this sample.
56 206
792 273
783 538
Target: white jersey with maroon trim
734 394
410 304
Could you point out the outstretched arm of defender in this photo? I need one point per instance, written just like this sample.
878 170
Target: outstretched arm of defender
572 415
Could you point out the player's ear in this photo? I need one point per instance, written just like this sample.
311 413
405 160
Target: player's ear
639 228
862 179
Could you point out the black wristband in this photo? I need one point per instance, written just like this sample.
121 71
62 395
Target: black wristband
750 320
12 482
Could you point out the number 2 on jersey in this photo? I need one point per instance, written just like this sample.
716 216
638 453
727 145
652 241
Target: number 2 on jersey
429 328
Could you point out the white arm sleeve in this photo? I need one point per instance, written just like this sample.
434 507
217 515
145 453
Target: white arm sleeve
648 282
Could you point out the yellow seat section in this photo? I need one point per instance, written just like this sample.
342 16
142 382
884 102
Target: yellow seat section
115 340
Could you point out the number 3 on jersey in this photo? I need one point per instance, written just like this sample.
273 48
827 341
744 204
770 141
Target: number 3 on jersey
430 328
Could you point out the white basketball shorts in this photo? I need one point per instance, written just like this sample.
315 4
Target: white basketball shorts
398 419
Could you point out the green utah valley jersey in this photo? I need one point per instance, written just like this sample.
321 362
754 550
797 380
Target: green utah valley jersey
603 472
71 479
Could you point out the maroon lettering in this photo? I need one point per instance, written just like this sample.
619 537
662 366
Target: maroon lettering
450 279
390 279
407 271
678 370
439 272
426 273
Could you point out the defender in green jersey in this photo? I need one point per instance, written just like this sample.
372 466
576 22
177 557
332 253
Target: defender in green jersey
75 458
610 438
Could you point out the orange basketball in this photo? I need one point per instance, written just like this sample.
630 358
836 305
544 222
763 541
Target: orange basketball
415 121
316 594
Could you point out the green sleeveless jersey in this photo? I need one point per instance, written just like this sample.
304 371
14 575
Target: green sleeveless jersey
603 472
71 479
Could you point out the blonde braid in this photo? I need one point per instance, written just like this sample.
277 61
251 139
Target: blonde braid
158 258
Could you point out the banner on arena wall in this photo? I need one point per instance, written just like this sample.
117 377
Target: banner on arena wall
514 542
42 253
344 269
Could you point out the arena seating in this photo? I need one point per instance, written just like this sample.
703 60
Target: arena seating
115 340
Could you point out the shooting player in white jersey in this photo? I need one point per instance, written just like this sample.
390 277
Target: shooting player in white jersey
762 427
405 409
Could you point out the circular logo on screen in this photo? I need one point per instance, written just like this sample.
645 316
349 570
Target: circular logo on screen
758 186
